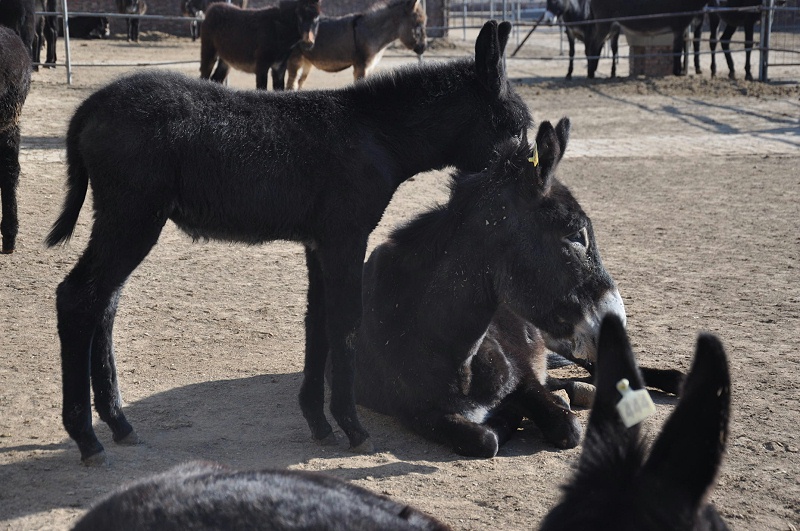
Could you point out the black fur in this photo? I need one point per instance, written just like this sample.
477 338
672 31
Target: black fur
617 484
19 15
15 82
252 166
579 24
452 302
204 497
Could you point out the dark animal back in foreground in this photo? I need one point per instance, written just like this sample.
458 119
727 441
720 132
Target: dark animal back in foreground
204 497
617 484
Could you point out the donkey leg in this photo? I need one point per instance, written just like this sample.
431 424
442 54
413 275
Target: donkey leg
262 77
278 76
725 41
571 41
208 57
667 380
9 178
107 397
559 425
713 25
579 390
342 271
678 52
221 72
748 47
464 436
86 305
614 53
304 74
312 391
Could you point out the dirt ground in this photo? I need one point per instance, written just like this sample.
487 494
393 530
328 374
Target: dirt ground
694 190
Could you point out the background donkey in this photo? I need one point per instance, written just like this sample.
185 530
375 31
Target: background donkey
670 22
615 486
132 7
733 20
19 15
578 15
197 9
46 33
359 40
206 496
15 81
256 40
452 303
223 164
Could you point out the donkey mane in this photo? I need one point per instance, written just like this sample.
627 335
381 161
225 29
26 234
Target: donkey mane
414 77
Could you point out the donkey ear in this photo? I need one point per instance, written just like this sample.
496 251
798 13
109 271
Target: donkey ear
551 142
411 5
687 455
615 361
489 49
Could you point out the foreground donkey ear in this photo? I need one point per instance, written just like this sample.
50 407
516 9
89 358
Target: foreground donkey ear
551 142
686 456
615 361
489 48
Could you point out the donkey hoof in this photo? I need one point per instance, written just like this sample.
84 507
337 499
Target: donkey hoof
131 439
366 447
95 460
582 394
7 251
567 434
328 440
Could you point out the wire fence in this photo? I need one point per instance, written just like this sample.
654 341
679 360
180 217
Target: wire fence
778 44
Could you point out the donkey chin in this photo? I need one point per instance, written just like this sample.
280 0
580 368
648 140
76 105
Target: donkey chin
582 346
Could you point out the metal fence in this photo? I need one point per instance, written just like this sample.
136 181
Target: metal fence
778 48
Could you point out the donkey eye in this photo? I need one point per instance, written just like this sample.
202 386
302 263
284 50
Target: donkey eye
580 237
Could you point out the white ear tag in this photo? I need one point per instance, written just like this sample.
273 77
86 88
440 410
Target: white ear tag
635 406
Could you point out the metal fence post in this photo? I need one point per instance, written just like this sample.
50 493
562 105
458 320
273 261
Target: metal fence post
766 30
66 41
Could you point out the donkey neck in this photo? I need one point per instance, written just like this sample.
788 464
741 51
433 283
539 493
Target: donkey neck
455 281
417 112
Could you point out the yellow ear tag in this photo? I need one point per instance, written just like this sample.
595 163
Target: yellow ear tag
635 406
534 158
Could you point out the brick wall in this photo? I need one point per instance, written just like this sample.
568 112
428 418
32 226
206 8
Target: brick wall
435 8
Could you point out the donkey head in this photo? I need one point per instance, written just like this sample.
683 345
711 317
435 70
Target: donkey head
412 26
614 486
554 276
191 8
556 8
308 12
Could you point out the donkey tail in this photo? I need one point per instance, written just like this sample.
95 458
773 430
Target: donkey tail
77 185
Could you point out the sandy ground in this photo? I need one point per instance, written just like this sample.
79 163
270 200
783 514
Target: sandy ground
694 191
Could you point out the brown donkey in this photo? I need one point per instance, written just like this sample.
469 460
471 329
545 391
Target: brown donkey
256 40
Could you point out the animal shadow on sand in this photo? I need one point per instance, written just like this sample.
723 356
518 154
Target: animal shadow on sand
207 421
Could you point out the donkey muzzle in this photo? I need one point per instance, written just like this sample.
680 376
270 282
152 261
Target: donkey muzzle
583 343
